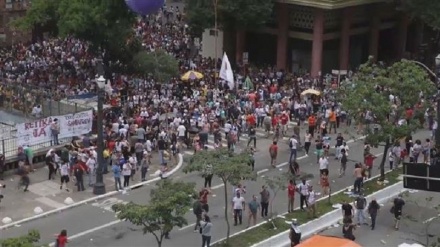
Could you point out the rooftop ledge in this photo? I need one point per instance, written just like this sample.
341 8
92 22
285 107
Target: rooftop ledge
330 4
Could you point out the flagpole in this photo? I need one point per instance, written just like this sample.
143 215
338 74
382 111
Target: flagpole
215 42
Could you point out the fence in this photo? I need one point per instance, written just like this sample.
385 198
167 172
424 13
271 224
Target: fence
18 98
9 146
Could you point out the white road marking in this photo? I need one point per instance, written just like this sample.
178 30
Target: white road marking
188 226
286 163
217 186
262 171
98 228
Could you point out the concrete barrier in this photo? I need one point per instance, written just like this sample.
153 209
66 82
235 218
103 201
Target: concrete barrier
93 199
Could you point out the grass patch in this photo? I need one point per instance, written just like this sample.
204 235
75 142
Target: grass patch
265 231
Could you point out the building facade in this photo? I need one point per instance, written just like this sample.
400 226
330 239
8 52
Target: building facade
11 10
317 36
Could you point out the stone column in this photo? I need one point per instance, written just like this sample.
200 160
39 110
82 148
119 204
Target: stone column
402 34
374 36
283 35
318 42
240 44
344 45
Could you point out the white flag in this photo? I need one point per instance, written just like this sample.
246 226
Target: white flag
226 72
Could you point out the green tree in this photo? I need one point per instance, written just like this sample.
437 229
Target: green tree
169 203
230 167
233 14
159 64
277 183
106 24
29 240
426 10
405 80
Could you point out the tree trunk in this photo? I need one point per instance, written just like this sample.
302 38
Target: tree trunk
384 158
228 229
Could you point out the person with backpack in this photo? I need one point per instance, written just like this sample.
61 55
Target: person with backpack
197 211
273 152
373 209
360 204
295 233
396 209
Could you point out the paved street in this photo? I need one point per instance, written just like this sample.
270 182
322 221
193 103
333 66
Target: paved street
412 230
95 224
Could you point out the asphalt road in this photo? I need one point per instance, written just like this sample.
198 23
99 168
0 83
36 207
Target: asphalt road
412 229
96 225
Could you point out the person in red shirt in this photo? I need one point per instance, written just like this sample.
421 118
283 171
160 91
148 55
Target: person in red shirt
273 152
284 120
275 121
291 195
368 161
251 121
203 197
61 240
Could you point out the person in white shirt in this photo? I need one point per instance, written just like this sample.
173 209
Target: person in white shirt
227 129
181 131
133 163
238 206
303 189
91 165
126 172
323 165
64 172
311 202
293 144
36 111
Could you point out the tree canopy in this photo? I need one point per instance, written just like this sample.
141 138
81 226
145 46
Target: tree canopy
426 10
234 14
228 166
370 91
158 64
29 240
169 203
106 24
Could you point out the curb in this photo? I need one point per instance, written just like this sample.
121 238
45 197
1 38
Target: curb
264 222
77 204
329 219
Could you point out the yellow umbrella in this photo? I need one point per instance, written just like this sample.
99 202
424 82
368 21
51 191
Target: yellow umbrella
311 91
192 75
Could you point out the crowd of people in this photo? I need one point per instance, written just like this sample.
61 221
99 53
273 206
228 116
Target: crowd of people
148 116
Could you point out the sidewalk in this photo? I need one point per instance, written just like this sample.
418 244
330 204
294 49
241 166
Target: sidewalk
45 195
416 211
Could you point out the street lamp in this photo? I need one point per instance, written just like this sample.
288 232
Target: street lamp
437 131
99 187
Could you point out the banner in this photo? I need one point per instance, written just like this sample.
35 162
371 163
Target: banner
38 131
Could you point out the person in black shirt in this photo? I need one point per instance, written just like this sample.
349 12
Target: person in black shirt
397 210
347 210
161 145
252 137
339 143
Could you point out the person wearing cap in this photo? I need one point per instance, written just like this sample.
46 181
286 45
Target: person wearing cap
295 233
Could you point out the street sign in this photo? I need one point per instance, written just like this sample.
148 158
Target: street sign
421 176
245 57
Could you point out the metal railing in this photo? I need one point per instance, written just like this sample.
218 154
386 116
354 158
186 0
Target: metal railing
21 99
9 146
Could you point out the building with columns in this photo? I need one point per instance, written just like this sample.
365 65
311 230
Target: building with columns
317 36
